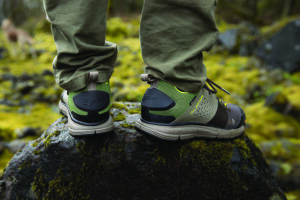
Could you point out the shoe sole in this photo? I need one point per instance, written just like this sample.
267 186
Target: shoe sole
187 131
82 130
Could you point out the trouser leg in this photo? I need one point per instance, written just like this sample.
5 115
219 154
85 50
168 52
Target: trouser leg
174 33
78 28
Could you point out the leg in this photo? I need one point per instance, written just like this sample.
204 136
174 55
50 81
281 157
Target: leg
78 29
84 63
173 35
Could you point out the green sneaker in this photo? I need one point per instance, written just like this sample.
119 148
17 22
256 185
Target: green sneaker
88 109
171 114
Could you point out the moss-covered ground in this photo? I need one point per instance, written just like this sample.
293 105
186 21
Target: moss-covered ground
245 77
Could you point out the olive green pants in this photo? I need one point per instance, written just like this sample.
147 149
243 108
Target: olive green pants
173 35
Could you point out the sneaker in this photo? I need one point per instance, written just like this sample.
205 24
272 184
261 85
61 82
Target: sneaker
171 114
88 109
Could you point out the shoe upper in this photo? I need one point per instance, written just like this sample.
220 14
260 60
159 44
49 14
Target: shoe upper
89 106
164 104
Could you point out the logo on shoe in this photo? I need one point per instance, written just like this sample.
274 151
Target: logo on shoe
89 101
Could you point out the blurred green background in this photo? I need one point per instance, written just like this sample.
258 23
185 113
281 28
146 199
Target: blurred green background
269 95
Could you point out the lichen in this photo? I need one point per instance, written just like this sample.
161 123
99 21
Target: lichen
39 184
36 152
47 138
125 125
24 165
119 117
118 105
35 143
134 111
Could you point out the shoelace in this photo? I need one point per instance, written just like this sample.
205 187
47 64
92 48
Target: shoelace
212 89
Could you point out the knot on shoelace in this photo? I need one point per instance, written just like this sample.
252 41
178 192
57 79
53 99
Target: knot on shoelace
211 88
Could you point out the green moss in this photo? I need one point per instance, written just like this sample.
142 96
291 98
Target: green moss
119 117
36 152
24 165
271 30
293 195
5 157
201 150
285 151
127 125
7 134
39 184
118 105
134 111
293 95
70 186
80 146
275 197
47 138
35 143
40 116
270 122
116 28
125 81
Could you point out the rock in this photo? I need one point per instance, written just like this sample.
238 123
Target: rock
280 103
282 50
14 145
229 39
8 77
240 40
27 131
2 52
129 165
29 89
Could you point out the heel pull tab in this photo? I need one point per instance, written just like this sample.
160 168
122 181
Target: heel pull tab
150 79
92 80
147 78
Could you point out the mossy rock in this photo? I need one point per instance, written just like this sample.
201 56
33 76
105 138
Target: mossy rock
128 165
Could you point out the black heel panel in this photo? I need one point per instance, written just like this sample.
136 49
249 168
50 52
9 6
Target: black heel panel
155 100
92 102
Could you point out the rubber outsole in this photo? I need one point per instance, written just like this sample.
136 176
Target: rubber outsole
82 130
185 132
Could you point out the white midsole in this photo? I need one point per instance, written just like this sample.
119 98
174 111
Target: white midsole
81 130
187 131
